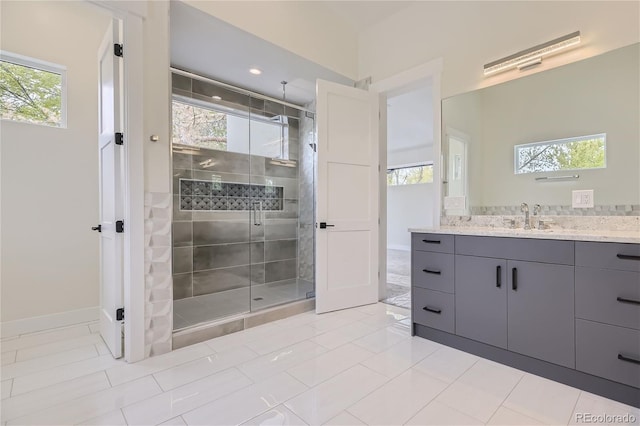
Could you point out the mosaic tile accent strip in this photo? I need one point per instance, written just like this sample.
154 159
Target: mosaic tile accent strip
198 195
601 210
574 223
158 283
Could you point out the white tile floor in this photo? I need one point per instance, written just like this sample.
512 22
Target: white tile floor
358 366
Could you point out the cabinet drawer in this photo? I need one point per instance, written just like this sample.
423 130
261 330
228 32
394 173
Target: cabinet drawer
432 270
432 242
608 296
433 309
599 348
528 249
625 257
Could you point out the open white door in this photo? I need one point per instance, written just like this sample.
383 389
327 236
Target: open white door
347 197
111 163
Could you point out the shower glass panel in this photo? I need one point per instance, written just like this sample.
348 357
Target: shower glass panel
276 214
243 171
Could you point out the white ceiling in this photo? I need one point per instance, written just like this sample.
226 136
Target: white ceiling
360 15
410 119
205 45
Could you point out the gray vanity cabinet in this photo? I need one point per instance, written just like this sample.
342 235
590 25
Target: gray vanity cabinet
481 299
540 311
565 310
526 307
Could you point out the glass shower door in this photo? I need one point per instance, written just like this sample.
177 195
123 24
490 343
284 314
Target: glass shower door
212 241
275 200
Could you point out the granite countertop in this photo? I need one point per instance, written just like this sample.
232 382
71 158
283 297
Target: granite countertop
547 234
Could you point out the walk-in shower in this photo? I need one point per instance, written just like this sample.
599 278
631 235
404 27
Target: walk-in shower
243 201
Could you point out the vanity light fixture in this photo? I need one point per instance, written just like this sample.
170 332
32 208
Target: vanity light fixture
533 56
255 71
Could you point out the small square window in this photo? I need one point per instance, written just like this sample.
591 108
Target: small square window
32 91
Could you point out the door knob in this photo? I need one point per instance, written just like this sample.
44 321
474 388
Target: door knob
324 225
97 228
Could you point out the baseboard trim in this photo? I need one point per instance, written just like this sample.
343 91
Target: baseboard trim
46 322
617 391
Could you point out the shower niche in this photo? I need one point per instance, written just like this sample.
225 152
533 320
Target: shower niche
243 201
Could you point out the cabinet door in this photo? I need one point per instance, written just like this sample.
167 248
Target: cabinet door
541 311
481 299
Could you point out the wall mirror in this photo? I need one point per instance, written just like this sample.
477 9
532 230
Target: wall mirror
536 138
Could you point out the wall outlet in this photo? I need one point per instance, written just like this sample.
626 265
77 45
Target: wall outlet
454 203
582 199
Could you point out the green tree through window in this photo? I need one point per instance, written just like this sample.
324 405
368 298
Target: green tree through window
30 94
410 175
197 126
586 152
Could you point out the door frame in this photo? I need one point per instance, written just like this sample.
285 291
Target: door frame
403 81
132 14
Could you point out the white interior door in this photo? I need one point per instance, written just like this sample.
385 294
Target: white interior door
110 190
347 197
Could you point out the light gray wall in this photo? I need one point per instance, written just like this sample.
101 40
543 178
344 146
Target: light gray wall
408 206
598 95
50 257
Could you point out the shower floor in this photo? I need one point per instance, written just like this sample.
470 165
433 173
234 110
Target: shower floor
209 307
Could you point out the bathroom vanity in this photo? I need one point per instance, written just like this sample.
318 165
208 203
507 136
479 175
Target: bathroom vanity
562 305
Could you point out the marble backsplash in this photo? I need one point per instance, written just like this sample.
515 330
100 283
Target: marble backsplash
586 223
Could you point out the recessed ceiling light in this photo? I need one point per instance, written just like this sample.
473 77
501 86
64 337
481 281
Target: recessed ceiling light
255 71
216 97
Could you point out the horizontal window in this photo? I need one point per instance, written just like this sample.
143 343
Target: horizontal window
198 125
410 175
584 152
31 91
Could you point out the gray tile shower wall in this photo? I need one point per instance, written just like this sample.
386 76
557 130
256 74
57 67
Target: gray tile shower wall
306 231
218 250
219 242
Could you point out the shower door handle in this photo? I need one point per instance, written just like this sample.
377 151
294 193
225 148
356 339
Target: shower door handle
257 212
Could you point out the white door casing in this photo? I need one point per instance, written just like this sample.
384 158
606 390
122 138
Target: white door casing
111 189
347 197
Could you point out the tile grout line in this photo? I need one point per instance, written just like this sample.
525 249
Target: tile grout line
446 387
108 379
18 351
574 406
507 397
123 416
60 403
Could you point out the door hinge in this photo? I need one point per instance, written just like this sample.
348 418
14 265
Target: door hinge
378 167
119 138
119 314
119 226
118 50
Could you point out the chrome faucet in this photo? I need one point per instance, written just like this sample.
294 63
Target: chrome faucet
524 207
536 215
